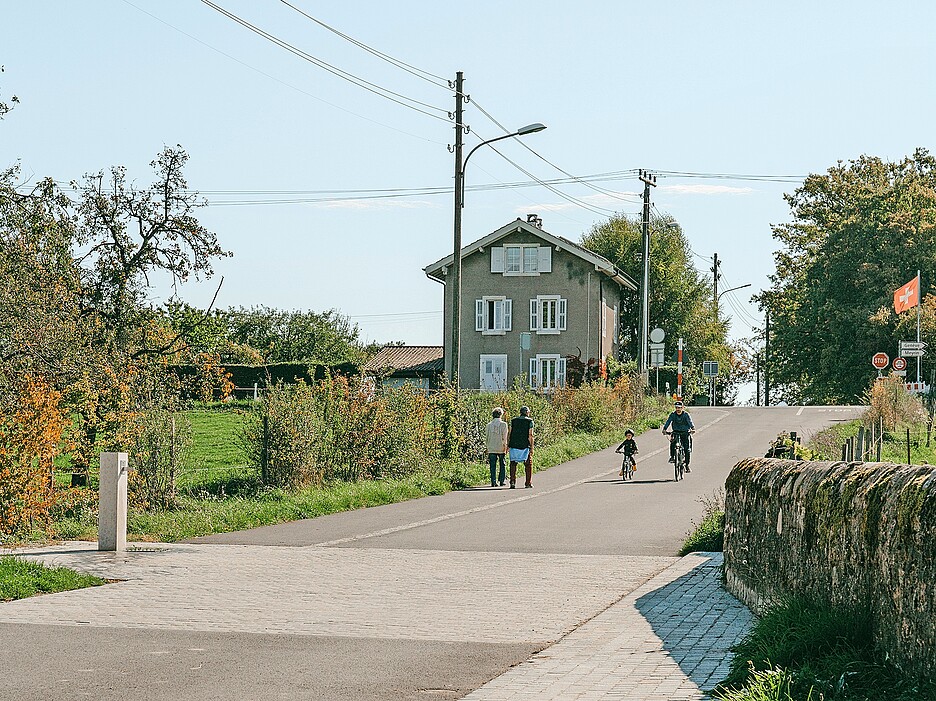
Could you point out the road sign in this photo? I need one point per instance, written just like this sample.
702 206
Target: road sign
657 335
899 364
657 355
710 368
918 387
880 360
911 345
912 353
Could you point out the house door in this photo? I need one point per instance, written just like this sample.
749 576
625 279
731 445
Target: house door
493 373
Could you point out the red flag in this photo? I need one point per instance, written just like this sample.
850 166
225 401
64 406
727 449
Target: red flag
907 296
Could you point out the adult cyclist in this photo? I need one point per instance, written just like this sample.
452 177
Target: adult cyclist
682 426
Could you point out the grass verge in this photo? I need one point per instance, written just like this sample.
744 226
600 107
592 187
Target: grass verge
245 505
22 578
802 650
709 535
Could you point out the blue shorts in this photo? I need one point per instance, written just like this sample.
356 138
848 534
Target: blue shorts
519 454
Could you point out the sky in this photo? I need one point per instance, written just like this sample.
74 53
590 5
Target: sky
298 164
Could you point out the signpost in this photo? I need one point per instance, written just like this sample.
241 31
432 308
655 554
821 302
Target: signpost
899 364
880 360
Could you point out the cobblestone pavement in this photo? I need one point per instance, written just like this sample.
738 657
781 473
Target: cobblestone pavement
667 638
413 594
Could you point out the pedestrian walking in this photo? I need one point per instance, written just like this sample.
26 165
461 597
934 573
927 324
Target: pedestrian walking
497 431
520 445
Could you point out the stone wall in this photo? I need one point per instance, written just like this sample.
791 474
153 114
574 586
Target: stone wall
853 534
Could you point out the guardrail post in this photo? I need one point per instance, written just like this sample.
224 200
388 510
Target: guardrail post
112 510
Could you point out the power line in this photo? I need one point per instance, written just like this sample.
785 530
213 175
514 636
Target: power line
281 82
610 193
418 72
385 93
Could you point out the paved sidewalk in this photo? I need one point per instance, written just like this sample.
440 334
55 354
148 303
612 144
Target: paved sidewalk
668 638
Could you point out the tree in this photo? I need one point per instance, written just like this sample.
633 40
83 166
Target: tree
858 232
4 107
680 299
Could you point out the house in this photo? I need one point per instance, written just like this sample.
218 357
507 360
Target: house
398 365
530 301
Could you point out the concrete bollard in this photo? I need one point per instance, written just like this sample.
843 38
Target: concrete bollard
112 510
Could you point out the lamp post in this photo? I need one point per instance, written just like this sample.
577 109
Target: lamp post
456 259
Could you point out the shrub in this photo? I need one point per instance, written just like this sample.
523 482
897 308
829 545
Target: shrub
161 439
890 402
30 438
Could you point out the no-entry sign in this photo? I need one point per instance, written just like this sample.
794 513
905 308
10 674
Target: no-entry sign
880 360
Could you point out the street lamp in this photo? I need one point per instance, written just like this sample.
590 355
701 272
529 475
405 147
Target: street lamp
732 289
456 259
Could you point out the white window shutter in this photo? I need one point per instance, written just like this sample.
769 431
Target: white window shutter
563 306
508 314
534 314
479 315
497 259
545 259
534 381
561 372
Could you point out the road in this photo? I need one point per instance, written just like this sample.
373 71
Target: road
426 599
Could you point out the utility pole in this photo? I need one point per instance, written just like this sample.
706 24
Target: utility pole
715 276
456 259
757 376
767 359
642 366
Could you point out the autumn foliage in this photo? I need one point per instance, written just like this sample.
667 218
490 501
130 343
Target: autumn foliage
29 440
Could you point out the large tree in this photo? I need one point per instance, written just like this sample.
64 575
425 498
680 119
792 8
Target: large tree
680 298
858 232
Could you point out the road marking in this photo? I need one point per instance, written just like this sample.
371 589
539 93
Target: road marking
496 505
800 410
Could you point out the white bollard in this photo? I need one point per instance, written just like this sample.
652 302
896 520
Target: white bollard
112 510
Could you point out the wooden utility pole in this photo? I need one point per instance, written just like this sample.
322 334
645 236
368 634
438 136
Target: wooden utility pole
649 181
767 359
456 258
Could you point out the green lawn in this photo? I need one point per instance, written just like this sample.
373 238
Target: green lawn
216 456
21 578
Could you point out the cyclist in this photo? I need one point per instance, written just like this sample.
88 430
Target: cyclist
682 425
629 448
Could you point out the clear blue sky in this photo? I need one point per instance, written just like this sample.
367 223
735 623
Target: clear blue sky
771 89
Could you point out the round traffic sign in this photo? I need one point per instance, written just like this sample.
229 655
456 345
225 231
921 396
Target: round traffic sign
900 364
880 360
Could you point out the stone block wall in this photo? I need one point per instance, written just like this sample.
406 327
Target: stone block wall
854 534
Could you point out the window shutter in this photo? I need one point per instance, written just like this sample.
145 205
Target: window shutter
479 315
545 259
561 372
497 259
508 314
562 314
534 382
534 314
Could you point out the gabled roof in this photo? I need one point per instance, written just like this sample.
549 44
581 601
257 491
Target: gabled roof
425 359
602 264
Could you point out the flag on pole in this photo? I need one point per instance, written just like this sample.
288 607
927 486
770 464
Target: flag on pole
907 296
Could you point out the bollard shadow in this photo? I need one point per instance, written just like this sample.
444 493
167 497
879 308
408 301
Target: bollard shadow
697 621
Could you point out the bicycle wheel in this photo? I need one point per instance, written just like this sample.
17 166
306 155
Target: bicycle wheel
627 469
679 462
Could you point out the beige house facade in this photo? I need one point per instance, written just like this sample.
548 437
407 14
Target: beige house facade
530 301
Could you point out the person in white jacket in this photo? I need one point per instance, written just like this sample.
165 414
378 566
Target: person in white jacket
497 447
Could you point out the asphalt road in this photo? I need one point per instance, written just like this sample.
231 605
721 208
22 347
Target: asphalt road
580 526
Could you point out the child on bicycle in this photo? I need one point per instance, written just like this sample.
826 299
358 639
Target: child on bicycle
629 448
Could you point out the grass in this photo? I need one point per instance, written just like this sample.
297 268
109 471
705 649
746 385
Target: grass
803 650
21 578
223 499
709 535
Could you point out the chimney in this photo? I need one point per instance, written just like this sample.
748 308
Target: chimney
535 220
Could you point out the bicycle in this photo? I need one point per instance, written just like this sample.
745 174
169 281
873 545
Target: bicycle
628 467
679 456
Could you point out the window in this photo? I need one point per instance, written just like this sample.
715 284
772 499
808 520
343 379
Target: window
522 259
493 315
547 372
548 314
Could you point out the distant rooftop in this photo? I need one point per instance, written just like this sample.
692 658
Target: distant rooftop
422 359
